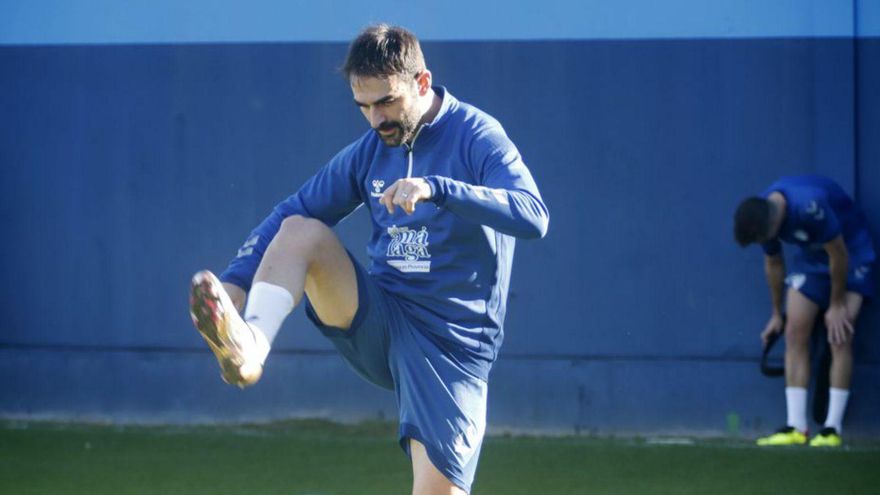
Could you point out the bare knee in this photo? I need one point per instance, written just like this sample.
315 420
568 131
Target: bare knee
300 226
797 334
841 350
303 234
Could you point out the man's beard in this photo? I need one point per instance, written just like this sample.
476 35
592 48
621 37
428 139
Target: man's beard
405 130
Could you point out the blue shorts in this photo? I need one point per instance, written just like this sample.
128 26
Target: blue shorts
815 282
441 406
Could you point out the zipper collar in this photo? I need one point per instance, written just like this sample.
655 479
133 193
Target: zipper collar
446 103
409 151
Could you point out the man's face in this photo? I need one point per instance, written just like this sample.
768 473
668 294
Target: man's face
389 105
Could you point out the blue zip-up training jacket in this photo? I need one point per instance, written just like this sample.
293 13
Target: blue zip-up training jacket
449 262
817 211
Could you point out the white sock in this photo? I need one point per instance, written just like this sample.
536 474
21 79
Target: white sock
837 398
796 405
267 306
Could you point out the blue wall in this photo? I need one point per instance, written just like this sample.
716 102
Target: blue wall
126 168
201 21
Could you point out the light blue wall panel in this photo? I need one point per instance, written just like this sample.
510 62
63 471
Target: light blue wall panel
170 21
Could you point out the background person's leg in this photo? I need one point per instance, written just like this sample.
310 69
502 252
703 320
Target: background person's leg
842 357
841 374
801 315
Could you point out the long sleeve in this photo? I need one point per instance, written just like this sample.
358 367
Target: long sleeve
329 196
506 198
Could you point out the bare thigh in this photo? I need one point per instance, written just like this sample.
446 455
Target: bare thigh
331 283
427 480
305 255
801 315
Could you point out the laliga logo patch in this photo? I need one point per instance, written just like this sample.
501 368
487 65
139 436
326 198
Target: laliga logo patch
378 184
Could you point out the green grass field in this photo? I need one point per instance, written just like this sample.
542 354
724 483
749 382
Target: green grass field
311 457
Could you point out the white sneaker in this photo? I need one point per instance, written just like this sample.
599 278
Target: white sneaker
231 339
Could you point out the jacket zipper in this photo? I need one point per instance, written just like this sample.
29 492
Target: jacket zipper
409 153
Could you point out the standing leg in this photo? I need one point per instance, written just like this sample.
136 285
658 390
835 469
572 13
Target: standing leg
841 364
801 315
427 480
840 376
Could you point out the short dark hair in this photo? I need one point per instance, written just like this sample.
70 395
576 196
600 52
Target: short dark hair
751 222
382 51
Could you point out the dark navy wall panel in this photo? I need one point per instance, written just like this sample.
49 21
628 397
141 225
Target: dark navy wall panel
130 167
868 173
585 396
180 387
642 150
127 168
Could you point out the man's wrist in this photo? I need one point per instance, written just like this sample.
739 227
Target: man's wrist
431 187
436 190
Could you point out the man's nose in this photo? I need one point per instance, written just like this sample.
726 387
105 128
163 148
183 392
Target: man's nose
376 118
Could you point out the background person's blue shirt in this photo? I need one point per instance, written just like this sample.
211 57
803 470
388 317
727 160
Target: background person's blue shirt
449 262
817 211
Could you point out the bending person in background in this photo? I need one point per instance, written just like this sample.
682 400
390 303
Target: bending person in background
831 275
447 193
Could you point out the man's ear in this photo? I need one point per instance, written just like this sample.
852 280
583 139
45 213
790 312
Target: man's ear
423 81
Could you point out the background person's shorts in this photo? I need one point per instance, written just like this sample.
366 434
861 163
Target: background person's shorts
816 284
440 405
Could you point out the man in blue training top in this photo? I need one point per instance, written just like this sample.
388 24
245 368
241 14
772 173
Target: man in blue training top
447 192
831 273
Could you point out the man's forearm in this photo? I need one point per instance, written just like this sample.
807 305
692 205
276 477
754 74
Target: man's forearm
514 212
838 265
774 269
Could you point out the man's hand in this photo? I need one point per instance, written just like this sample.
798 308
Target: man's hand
236 294
840 329
773 326
405 193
